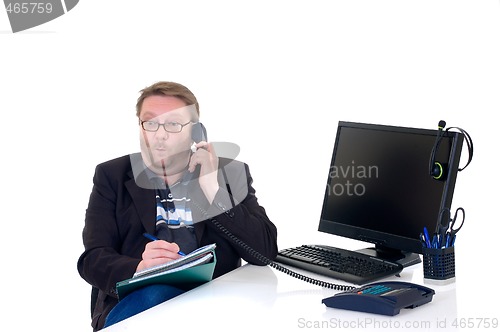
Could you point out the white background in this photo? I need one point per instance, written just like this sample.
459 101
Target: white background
275 77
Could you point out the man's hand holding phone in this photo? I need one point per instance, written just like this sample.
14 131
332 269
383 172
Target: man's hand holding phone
206 157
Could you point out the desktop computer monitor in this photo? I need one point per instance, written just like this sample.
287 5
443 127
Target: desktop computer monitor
380 190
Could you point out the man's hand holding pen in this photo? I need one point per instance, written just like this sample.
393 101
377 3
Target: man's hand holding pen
158 252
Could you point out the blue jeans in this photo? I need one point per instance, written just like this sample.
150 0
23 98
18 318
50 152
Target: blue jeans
141 300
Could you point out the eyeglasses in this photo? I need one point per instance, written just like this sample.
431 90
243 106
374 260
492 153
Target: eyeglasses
170 127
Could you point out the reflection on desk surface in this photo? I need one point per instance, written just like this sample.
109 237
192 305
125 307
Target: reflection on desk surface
260 297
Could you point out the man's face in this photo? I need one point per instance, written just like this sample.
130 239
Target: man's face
163 152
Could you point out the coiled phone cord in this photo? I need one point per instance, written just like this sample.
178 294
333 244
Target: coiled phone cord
277 266
263 258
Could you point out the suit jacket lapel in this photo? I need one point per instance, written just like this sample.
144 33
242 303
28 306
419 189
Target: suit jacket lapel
143 200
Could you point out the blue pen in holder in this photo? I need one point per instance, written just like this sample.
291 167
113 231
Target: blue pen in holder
439 264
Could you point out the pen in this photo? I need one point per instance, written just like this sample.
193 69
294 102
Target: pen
435 241
151 237
154 238
422 240
450 240
427 238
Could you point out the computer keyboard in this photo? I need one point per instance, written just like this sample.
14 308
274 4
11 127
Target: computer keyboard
350 266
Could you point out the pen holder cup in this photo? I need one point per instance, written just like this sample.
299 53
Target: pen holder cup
439 264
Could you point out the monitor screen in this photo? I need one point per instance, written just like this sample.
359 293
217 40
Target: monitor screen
380 189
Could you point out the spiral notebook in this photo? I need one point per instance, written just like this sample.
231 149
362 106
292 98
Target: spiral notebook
193 269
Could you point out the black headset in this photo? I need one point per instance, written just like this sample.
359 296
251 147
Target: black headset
439 170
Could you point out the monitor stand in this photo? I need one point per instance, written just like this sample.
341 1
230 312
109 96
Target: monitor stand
402 257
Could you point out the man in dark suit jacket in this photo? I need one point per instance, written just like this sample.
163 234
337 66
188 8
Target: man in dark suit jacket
124 203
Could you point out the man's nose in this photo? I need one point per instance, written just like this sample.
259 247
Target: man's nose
162 133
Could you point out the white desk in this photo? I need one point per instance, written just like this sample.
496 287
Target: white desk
263 299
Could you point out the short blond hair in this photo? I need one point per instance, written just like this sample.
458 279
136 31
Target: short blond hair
168 89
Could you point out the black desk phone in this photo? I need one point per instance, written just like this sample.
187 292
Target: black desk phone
384 298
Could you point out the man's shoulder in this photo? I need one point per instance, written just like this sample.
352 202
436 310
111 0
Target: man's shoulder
232 164
123 162
235 171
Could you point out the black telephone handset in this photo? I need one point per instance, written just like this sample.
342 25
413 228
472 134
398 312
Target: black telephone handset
198 132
